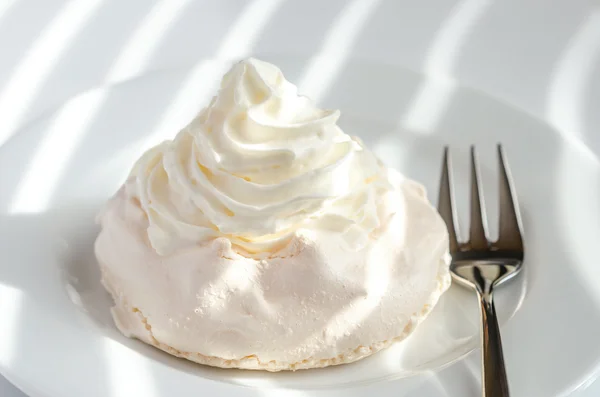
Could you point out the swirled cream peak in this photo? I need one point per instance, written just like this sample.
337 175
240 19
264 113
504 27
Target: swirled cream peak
257 164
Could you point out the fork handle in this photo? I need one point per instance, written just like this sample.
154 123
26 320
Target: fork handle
494 379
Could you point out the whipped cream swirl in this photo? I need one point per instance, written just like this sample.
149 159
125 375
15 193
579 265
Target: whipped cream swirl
256 166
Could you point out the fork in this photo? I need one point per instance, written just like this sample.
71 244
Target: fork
483 265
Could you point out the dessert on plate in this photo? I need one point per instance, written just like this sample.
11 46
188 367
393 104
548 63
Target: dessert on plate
264 237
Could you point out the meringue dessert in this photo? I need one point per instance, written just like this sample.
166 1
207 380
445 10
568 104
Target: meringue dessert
264 237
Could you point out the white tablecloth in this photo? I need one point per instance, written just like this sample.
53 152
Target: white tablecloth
541 56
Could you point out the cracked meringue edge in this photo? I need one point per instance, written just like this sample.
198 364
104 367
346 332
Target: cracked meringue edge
252 362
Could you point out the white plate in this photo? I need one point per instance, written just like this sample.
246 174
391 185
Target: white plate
56 335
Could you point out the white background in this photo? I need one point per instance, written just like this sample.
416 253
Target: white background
541 56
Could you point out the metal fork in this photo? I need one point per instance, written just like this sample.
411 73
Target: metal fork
483 265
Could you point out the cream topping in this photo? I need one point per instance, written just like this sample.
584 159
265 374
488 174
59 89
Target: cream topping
254 166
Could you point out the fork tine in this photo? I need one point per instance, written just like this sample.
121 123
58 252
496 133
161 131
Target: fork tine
478 229
446 201
510 235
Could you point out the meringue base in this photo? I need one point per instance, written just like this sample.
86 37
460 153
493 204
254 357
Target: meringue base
142 331
317 302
